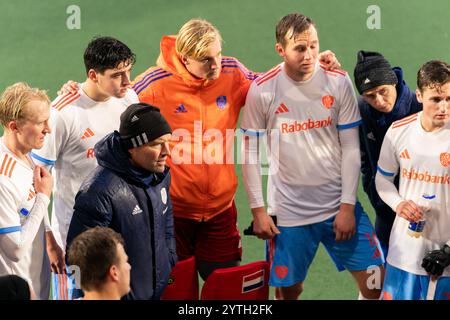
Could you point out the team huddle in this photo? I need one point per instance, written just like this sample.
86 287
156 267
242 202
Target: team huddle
141 177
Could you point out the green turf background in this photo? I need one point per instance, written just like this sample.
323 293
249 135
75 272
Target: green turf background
37 47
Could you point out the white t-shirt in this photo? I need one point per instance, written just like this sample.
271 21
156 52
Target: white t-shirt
302 120
17 197
77 124
423 162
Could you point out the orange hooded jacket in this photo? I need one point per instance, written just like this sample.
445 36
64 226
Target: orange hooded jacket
202 168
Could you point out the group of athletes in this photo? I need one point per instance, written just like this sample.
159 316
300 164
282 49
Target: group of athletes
318 135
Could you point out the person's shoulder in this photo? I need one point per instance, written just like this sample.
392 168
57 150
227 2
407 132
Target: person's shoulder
268 78
405 123
149 78
8 165
335 73
100 181
63 104
232 66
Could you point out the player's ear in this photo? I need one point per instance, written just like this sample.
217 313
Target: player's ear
114 273
12 126
92 75
184 59
279 48
419 96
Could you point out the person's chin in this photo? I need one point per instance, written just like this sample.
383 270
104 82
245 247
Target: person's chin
386 109
120 94
213 76
160 167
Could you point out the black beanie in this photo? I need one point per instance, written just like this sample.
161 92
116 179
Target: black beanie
372 70
141 123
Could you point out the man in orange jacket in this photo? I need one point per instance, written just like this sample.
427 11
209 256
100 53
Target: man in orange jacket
200 93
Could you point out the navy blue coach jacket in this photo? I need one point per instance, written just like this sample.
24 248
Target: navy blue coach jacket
136 204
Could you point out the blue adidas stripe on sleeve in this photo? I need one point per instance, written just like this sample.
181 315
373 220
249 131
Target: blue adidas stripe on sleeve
10 229
349 125
385 173
43 160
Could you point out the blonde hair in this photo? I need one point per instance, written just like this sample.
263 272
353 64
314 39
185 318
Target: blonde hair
15 98
195 37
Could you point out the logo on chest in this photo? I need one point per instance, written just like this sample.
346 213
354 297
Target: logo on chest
445 159
328 101
282 109
136 210
221 102
405 155
88 133
181 109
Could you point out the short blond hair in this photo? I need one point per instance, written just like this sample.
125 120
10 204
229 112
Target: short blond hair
195 37
15 98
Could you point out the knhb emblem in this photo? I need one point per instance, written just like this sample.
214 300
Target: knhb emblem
221 102
445 159
327 101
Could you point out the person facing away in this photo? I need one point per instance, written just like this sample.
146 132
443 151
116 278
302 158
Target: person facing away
417 149
13 287
384 98
104 271
310 117
201 92
129 193
26 238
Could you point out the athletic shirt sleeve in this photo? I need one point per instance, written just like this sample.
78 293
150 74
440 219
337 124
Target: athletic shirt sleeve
9 217
349 115
254 117
387 162
253 126
387 169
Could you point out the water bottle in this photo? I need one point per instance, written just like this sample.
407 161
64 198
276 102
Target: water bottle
415 229
23 214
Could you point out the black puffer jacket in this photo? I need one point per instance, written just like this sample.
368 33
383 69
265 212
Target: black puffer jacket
136 204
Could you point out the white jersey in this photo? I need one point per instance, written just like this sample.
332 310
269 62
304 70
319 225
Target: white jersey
423 162
77 124
302 120
17 198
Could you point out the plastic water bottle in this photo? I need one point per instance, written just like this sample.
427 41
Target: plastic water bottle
415 229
